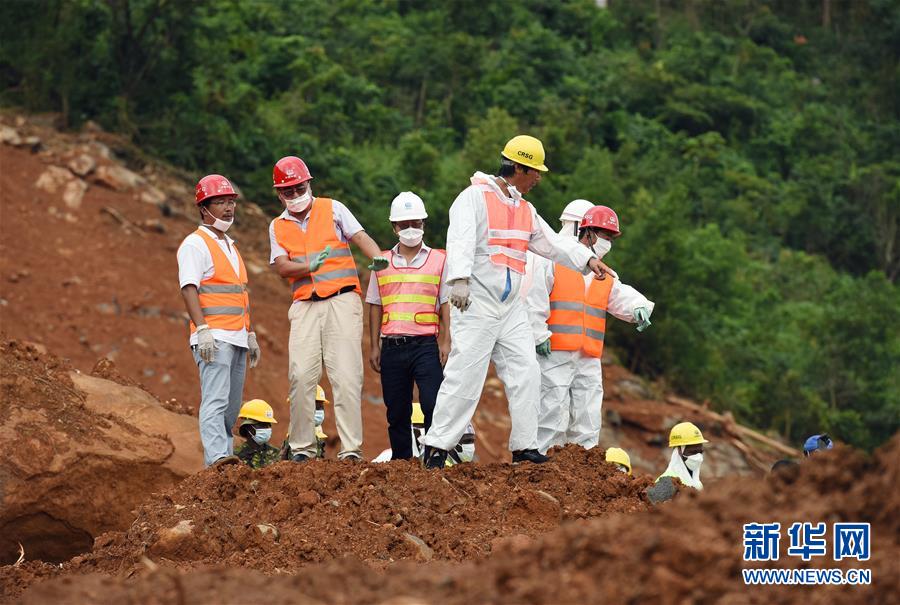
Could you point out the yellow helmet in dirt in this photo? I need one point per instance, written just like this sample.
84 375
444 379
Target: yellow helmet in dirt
525 150
418 417
685 433
320 394
259 410
619 456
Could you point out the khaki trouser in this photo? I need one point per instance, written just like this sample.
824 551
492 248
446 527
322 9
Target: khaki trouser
327 330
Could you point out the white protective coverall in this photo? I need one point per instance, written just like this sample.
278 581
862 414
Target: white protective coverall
678 469
571 382
491 329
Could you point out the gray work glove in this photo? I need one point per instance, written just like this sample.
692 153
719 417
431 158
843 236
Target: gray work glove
254 349
642 318
379 263
206 344
459 294
543 349
318 260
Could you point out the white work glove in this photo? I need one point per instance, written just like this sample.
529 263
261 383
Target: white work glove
642 318
254 349
459 294
206 344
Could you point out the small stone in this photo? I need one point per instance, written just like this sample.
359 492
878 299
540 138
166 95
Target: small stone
425 551
53 179
33 143
267 529
152 195
118 177
82 165
106 308
9 136
152 225
140 342
166 378
74 193
71 281
546 496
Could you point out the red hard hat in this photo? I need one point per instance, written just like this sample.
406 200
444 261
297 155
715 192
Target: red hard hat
290 171
212 185
601 217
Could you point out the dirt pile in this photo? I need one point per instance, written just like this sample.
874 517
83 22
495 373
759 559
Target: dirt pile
688 551
80 453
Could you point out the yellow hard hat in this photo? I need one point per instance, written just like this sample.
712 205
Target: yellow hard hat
619 456
320 434
685 433
320 394
525 150
417 416
259 410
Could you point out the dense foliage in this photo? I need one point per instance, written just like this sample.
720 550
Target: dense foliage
750 148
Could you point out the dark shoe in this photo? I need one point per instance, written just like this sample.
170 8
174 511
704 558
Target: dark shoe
529 456
434 457
299 458
353 458
226 460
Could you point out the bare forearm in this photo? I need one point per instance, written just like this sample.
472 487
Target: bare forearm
192 304
290 268
444 332
375 312
366 244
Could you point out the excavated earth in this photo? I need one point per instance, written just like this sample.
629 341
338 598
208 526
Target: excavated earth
221 536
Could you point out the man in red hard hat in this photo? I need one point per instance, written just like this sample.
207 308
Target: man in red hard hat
213 283
568 314
311 248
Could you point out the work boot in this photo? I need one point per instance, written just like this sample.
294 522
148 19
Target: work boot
352 458
529 456
299 458
434 457
226 460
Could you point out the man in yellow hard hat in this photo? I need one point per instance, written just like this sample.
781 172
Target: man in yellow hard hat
686 442
491 228
620 458
319 418
256 429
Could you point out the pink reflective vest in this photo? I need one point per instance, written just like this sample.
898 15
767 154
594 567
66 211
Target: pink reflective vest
509 228
409 297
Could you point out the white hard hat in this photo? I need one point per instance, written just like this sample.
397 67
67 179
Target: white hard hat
575 210
407 206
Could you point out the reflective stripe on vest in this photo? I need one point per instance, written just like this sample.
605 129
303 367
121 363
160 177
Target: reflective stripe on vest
339 269
577 318
409 296
224 300
509 228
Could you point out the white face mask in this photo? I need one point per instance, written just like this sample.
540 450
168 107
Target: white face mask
319 417
411 237
601 247
693 462
262 436
299 203
219 223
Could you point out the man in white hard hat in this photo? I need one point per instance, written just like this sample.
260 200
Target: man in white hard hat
491 228
568 319
409 322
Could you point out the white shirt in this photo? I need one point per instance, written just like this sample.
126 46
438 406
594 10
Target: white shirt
345 227
467 247
623 299
195 264
373 295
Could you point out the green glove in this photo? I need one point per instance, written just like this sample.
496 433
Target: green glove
642 318
378 263
319 259
543 349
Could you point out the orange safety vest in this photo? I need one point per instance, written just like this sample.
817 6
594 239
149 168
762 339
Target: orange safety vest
224 300
509 228
339 269
409 297
578 318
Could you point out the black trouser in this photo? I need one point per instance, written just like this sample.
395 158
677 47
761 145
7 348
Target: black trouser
403 360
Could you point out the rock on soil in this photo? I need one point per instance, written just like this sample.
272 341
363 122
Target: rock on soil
687 551
80 454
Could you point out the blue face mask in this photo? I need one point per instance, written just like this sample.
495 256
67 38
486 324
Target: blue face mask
262 436
319 417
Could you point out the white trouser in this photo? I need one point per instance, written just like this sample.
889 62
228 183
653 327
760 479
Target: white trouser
571 400
479 337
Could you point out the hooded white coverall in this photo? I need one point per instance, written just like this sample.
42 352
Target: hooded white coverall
491 329
571 382
678 470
